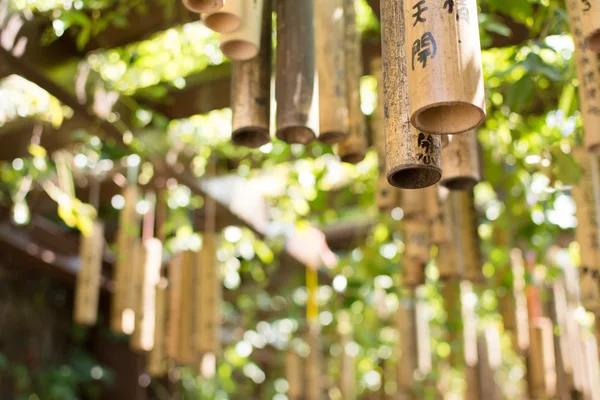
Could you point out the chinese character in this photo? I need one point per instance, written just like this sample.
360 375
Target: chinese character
450 5
586 5
425 143
419 11
424 48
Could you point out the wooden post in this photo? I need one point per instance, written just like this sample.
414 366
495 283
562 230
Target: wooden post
460 162
203 6
228 18
590 16
157 366
413 158
331 71
297 102
587 75
244 43
251 92
444 66
87 289
127 243
354 148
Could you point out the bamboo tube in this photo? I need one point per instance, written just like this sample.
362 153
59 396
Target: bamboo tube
157 366
297 102
590 20
251 92
331 71
407 350
469 324
203 6
445 77
147 278
451 294
416 239
228 18
122 299
438 230
208 302
414 203
312 375
87 289
347 370
354 148
413 158
244 43
557 308
174 314
423 335
293 368
386 196
590 347
540 362
460 162
466 237
186 353
587 75
377 119
488 387
447 264
413 271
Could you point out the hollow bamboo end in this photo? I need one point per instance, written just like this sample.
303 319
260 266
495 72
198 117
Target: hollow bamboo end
414 176
223 22
592 41
203 6
296 134
239 50
332 137
459 183
251 136
448 118
353 157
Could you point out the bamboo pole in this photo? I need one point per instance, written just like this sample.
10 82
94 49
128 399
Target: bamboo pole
157 366
354 148
87 289
122 318
186 353
251 92
227 19
297 102
460 162
445 73
203 6
208 302
331 71
587 75
293 369
590 16
174 271
413 158
244 43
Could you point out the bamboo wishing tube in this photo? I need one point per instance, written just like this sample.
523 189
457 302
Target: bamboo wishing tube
312 365
208 301
460 162
466 235
354 148
228 18
186 353
251 92
347 370
147 280
87 290
444 66
157 366
386 196
331 71
122 319
203 6
541 369
174 271
587 75
293 374
590 16
406 352
451 293
413 158
438 230
297 102
244 43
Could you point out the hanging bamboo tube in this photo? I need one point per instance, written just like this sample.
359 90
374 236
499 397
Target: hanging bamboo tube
87 290
540 361
423 334
438 231
293 372
415 231
148 276
157 366
297 102
186 353
444 67
406 352
228 18
466 235
450 264
488 387
557 302
174 271
208 301
587 75
251 92
469 339
451 294
347 370
203 6
331 71
460 162
590 22
122 319
244 43
354 148
413 158
312 365
386 196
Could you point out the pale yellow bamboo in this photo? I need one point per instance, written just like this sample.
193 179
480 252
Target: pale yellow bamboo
174 309
87 289
244 43
590 16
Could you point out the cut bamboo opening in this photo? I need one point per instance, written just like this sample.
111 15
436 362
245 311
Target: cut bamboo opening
227 19
413 158
460 162
87 290
244 43
203 6
297 102
331 71
251 93
444 67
